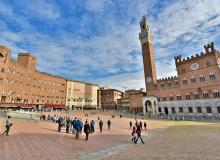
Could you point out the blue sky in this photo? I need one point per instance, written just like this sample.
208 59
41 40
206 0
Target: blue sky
97 40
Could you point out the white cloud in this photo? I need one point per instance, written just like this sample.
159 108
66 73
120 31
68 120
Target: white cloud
11 36
40 9
95 5
5 9
180 28
129 81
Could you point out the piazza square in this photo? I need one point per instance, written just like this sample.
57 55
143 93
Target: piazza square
109 80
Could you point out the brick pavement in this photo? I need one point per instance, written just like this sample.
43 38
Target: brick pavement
183 141
29 140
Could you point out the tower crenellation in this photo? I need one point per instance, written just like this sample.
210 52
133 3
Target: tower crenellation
209 48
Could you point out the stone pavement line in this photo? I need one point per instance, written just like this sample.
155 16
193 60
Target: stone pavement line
122 147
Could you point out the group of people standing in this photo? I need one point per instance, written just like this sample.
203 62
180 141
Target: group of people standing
76 125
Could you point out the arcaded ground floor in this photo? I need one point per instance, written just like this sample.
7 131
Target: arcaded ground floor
169 140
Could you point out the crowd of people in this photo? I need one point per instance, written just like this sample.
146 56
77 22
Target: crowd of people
76 126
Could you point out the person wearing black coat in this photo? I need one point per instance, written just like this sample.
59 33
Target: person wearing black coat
87 130
68 121
59 121
138 131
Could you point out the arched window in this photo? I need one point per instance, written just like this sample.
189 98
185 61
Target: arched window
202 78
164 98
159 109
199 109
208 64
208 109
181 109
1 55
193 80
212 76
185 81
173 110
188 97
216 94
178 97
218 109
171 98
190 109
205 95
196 95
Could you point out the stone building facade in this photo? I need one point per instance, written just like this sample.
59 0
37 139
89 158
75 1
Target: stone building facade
81 95
132 101
21 83
194 90
136 100
108 98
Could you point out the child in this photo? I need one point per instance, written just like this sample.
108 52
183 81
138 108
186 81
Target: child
133 133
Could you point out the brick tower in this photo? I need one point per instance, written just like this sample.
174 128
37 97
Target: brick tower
146 38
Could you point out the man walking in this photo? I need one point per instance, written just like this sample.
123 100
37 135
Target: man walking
109 124
8 126
130 124
92 125
145 125
78 127
138 131
100 125
59 124
68 121
86 130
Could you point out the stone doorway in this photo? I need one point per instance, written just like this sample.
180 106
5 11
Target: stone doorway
148 106
166 110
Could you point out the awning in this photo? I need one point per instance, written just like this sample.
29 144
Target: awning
10 105
55 106
25 105
89 107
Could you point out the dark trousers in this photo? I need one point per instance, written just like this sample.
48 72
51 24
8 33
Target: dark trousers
7 130
92 129
87 136
100 129
67 129
139 136
133 139
108 127
77 134
59 128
